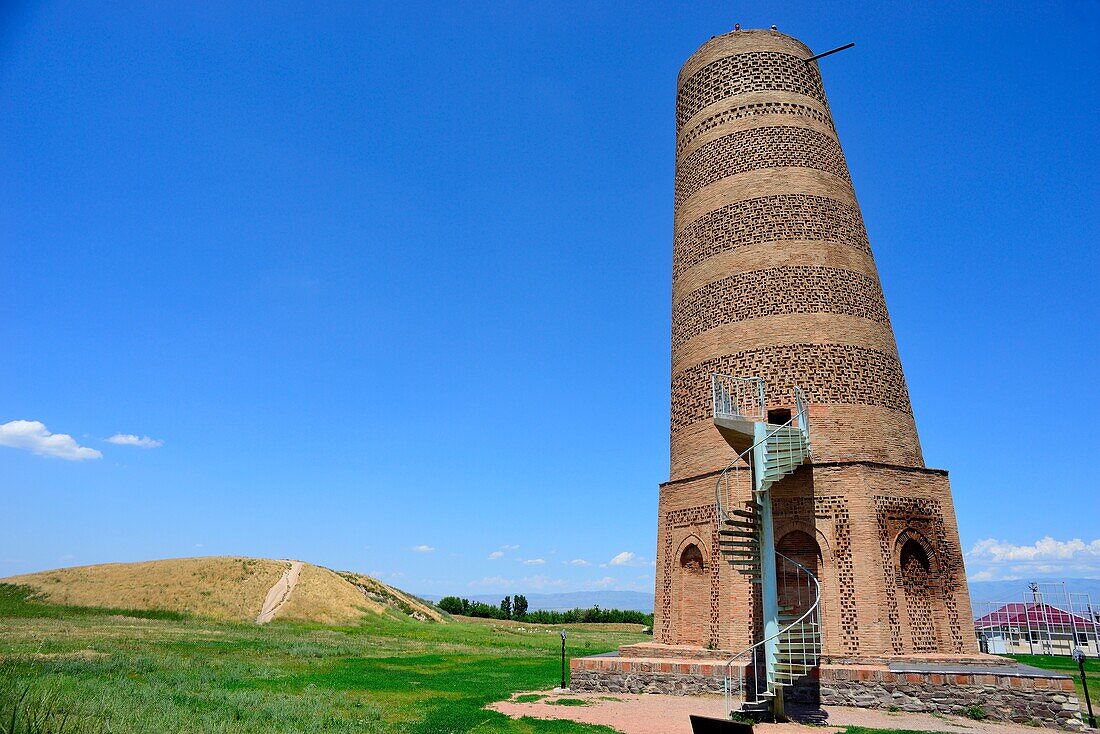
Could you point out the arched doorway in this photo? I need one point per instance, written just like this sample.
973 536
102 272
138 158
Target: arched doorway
796 591
693 589
920 588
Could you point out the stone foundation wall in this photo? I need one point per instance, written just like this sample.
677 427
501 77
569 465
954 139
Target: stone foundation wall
646 675
1023 698
1019 698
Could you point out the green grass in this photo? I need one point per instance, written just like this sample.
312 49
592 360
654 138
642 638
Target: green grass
17 601
1066 665
114 670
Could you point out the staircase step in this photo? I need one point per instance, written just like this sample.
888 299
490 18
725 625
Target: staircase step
786 438
784 449
745 513
808 660
795 459
774 474
789 666
737 533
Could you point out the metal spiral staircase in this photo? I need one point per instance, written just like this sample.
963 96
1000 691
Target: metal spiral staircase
790 593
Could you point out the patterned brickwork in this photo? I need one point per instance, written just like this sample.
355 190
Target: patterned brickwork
758 147
677 520
829 373
779 218
837 508
834 508
750 110
919 585
756 71
777 291
919 517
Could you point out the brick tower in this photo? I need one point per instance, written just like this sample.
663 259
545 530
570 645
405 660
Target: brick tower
803 548
773 278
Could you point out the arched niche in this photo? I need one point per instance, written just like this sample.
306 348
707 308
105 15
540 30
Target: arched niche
692 587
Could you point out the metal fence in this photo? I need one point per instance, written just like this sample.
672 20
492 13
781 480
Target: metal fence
1047 620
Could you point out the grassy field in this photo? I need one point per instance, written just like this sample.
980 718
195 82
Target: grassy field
159 672
148 671
1065 665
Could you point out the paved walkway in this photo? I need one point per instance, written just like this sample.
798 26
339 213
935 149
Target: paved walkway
659 714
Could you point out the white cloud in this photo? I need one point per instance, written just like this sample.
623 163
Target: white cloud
423 549
129 439
535 561
510 547
578 562
626 558
34 437
603 583
997 560
495 555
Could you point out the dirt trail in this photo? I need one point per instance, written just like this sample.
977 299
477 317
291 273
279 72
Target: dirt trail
659 714
278 595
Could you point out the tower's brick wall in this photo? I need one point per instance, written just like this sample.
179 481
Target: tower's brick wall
773 276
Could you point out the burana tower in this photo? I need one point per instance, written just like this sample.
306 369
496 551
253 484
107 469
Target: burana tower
774 285
804 550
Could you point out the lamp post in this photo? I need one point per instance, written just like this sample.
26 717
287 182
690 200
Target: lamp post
563 660
1079 656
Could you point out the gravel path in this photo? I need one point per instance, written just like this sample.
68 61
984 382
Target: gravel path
278 594
658 714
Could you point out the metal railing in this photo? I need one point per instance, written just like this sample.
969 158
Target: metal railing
737 397
735 481
799 643
797 646
802 413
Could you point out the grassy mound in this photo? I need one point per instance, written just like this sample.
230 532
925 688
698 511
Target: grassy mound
222 588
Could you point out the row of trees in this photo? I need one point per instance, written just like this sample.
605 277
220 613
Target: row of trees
516 608
509 608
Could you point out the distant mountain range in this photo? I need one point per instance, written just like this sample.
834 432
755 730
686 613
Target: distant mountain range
980 592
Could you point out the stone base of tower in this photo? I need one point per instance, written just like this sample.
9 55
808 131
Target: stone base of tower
1001 688
881 538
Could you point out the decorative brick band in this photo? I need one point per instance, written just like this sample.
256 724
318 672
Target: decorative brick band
776 291
749 72
779 218
772 146
829 373
760 108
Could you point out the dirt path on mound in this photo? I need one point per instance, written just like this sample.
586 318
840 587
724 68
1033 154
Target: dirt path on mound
659 714
278 595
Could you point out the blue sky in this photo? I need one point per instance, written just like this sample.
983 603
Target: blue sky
387 286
